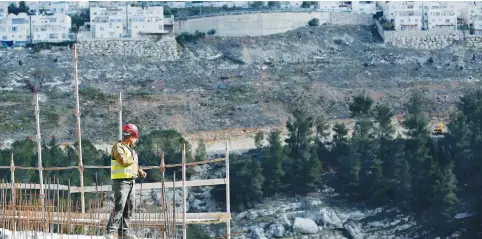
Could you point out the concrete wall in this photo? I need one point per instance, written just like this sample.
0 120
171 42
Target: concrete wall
165 49
261 24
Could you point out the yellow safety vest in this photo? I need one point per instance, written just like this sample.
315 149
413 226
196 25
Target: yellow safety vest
118 171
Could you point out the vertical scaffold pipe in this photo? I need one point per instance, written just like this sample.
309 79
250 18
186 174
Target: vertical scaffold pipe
184 233
79 135
228 199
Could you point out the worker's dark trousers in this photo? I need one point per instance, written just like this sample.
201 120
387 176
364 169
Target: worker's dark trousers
124 203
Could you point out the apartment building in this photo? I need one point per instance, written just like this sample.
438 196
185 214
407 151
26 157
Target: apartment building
439 15
15 29
4 9
127 21
364 7
145 20
472 16
22 29
108 22
50 28
405 16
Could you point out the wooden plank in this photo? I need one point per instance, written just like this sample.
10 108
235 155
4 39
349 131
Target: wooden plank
32 186
102 218
191 183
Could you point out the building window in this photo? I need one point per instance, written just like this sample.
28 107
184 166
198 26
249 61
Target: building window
447 21
4 37
53 36
101 28
14 29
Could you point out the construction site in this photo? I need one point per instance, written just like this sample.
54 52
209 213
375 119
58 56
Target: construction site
49 210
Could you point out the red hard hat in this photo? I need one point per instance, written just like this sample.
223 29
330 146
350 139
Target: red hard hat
130 129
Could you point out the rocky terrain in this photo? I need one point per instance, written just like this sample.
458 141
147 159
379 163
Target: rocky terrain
223 83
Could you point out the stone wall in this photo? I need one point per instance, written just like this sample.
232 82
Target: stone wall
165 49
261 24
474 41
428 40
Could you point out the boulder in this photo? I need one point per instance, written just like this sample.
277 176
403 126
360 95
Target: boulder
305 226
329 219
258 233
353 229
275 230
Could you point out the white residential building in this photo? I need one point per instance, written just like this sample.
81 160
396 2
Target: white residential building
364 7
405 16
145 20
3 9
15 29
50 28
127 21
110 22
472 16
439 15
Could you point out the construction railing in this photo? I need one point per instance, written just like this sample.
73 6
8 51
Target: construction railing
49 207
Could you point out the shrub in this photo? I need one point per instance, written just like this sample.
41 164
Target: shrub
314 22
211 32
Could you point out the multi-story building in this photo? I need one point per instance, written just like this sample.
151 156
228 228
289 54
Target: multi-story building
110 22
15 29
439 15
22 29
364 7
405 16
145 20
126 21
472 17
49 28
3 9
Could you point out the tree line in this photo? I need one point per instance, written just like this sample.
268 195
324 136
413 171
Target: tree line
431 177
428 176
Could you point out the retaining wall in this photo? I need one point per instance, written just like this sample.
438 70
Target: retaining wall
261 24
165 48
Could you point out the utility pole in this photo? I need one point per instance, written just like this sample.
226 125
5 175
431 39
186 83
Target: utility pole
77 114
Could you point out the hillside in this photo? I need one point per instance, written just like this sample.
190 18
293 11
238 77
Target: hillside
222 83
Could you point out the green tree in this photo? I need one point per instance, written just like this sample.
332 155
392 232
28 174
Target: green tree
385 131
150 147
341 146
299 143
258 139
257 4
417 151
401 183
273 164
201 153
274 4
323 129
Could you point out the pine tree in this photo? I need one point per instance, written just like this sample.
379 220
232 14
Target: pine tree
385 131
322 133
401 183
273 164
201 153
300 137
258 139
341 146
417 151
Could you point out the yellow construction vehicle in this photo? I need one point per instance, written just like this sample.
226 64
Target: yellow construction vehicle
439 129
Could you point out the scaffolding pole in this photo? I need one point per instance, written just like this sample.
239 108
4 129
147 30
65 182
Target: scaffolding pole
39 149
228 199
184 233
79 136
120 115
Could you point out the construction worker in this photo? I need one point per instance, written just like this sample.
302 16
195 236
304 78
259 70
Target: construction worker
124 171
